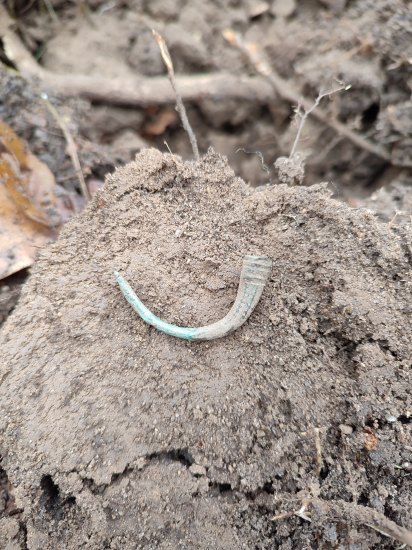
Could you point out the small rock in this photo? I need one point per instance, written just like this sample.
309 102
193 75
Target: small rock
283 8
382 491
345 429
290 170
140 463
197 470
257 9
335 6
203 485
215 283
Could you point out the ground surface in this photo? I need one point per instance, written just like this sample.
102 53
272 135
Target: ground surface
106 420
366 44
116 436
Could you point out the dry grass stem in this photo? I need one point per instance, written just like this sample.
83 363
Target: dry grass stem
51 11
397 214
287 92
259 154
164 51
302 115
318 445
71 146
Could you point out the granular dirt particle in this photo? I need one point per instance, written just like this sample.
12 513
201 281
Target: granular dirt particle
104 419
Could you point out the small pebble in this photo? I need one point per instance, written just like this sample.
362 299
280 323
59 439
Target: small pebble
283 8
258 9
345 429
197 470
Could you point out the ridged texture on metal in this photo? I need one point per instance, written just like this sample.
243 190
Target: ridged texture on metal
255 273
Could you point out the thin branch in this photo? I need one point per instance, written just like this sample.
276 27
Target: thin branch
399 213
256 58
71 146
306 112
164 51
259 154
141 91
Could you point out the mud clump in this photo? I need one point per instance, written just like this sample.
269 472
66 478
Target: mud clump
114 435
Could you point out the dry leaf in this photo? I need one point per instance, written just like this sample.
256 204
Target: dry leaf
28 181
20 237
29 212
161 122
371 440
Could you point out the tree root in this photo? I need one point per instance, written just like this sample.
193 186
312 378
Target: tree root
144 91
139 91
287 92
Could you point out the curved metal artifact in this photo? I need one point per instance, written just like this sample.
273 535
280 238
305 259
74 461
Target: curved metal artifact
255 273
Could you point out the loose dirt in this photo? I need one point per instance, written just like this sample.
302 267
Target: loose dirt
364 43
114 435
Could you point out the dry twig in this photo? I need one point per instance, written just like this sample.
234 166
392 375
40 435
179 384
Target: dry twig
71 146
164 51
399 213
256 58
17 53
318 445
303 114
301 513
142 91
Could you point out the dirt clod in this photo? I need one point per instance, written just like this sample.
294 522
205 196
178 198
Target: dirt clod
114 435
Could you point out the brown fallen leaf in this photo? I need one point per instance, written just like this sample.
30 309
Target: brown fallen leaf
29 206
20 237
28 181
161 121
371 440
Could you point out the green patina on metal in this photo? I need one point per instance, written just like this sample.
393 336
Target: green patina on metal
147 315
255 273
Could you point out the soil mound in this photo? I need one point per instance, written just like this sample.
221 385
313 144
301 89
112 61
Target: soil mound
115 435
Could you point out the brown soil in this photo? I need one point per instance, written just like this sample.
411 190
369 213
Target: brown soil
118 436
115 436
365 43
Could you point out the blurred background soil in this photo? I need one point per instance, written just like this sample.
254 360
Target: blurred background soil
311 45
